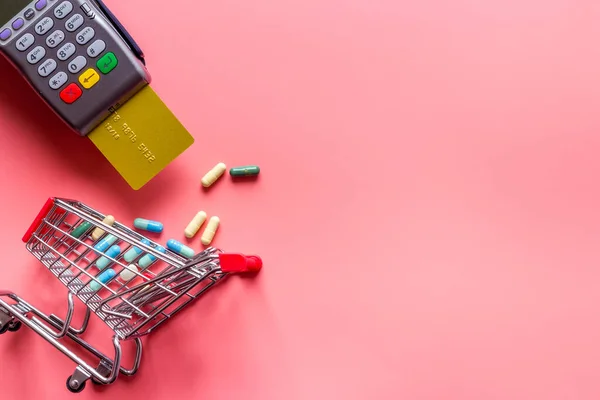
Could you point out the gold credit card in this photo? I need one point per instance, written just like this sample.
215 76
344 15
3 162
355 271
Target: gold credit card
141 138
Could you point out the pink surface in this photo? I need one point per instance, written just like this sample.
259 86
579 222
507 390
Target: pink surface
428 212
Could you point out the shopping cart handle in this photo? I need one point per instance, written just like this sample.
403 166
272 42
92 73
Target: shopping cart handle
38 219
239 263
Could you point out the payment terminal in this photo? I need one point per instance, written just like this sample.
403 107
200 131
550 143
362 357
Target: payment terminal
75 54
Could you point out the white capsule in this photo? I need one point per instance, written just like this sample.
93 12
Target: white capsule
98 232
129 273
211 230
194 226
214 174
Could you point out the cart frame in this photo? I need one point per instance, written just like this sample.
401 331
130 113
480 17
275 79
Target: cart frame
132 308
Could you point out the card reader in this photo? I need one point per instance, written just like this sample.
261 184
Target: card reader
75 54
86 66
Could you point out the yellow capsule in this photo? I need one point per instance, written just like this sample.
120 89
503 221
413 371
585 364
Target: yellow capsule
214 174
194 226
98 232
211 230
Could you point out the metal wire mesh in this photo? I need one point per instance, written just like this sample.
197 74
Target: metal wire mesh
63 243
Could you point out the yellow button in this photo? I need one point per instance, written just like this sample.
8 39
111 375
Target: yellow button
89 78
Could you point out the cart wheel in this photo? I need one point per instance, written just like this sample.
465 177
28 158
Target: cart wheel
4 328
15 326
74 386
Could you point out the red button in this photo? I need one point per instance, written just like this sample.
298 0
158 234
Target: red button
71 93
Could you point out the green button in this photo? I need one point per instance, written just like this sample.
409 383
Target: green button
107 63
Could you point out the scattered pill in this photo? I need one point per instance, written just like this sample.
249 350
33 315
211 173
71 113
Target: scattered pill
210 231
104 261
195 224
147 225
104 244
180 248
135 252
214 174
149 259
129 273
98 232
104 277
81 229
249 170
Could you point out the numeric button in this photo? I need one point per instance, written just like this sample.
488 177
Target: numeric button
77 64
36 55
63 10
47 67
44 26
65 52
96 48
26 41
85 35
74 22
58 80
55 38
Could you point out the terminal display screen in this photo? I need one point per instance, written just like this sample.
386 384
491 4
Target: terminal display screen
10 8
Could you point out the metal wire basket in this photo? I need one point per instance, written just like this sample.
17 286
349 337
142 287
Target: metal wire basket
134 289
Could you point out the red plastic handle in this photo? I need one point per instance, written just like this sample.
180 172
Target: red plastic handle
38 220
239 263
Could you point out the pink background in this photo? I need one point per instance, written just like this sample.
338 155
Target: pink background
428 212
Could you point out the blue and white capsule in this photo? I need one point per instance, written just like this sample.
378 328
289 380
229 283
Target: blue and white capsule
147 225
149 259
135 252
104 261
104 277
180 248
105 244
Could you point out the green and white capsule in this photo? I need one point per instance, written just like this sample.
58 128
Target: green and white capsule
248 170
82 228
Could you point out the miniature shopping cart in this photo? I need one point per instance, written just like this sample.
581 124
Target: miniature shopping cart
132 304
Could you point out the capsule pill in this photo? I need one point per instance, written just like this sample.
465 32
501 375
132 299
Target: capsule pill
149 259
129 273
98 232
147 225
180 248
104 277
210 231
81 229
105 261
135 252
104 244
214 174
148 277
249 170
194 226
